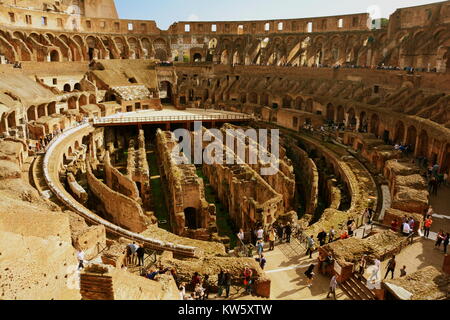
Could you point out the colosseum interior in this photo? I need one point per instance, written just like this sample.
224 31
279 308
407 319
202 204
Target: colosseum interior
89 108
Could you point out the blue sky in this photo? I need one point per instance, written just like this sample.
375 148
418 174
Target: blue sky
166 12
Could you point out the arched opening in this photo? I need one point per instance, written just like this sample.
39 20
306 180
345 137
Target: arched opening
197 57
70 152
52 108
41 111
253 98
423 144
224 57
265 99
351 118
411 137
54 56
72 103
299 103
363 125
77 87
12 120
340 114
92 99
330 112
399 136
67 88
31 113
287 102
309 105
165 92
82 101
374 124
190 215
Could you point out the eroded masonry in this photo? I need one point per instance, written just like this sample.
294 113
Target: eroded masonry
89 106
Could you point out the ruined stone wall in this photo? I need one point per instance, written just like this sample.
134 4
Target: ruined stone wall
118 182
124 211
248 197
186 189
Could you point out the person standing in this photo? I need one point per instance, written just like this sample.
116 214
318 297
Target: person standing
288 232
333 286
331 235
440 239
140 254
259 234
322 237
220 283
248 273
391 267
260 248
241 237
80 257
427 226
280 231
446 242
272 237
206 287
262 262
227 282
403 272
310 246
309 273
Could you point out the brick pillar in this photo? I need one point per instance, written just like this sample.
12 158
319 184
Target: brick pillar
446 267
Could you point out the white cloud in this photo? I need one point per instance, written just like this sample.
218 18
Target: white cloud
193 17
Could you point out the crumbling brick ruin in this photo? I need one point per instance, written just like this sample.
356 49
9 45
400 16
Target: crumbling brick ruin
89 103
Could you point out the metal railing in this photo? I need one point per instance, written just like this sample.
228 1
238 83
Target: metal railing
157 119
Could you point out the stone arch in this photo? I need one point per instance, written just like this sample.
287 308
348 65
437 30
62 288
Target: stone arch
351 118
190 215
67 87
399 136
82 100
422 150
77 87
51 108
253 97
309 105
287 101
11 119
374 124
197 57
92 99
31 113
72 103
330 112
54 56
340 114
411 136
299 103
42 111
224 57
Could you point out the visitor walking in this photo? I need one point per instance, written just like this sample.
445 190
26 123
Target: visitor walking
333 286
309 273
309 246
248 273
227 283
322 237
80 257
260 248
220 283
331 235
440 239
140 254
427 226
288 232
391 267
272 238
262 262
259 234
280 231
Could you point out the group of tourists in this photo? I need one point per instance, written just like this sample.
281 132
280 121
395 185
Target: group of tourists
435 179
135 254
406 225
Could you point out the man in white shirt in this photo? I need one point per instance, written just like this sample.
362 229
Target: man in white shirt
406 229
333 285
80 257
260 234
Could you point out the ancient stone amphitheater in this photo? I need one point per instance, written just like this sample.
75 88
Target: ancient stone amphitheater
88 106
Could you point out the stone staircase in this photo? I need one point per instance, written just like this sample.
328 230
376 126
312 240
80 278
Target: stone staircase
38 181
355 289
